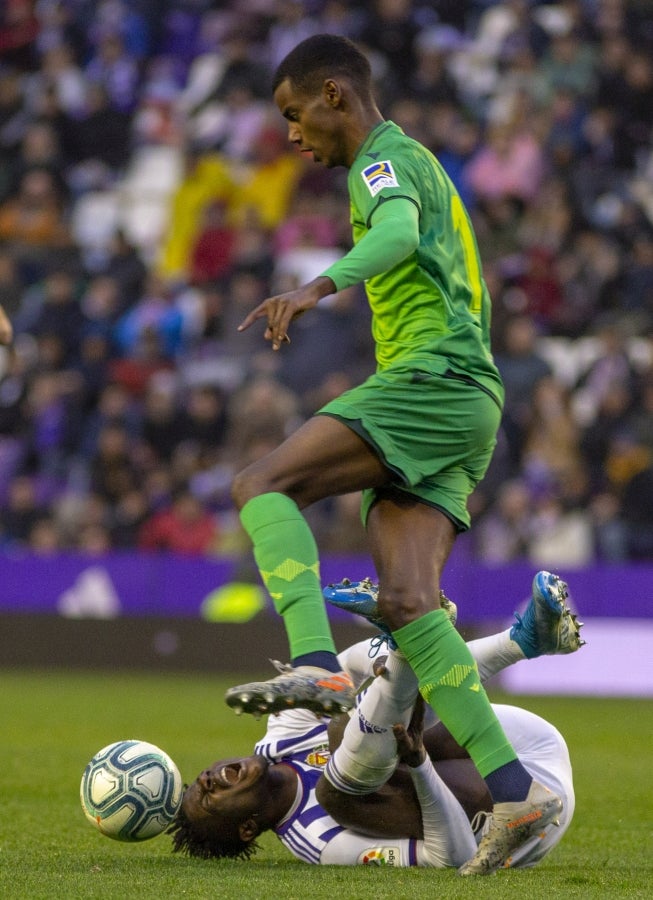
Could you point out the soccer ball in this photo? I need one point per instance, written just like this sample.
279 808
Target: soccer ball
131 791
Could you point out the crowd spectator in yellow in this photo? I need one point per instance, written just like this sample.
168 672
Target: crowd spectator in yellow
206 180
261 188
267 184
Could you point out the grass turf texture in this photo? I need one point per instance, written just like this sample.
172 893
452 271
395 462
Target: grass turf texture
53 722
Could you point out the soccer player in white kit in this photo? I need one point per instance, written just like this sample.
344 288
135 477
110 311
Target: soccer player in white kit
233 801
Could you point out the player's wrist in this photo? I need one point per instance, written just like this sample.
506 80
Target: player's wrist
417 759
323 286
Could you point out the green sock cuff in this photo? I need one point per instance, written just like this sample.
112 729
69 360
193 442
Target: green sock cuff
405 635
267 509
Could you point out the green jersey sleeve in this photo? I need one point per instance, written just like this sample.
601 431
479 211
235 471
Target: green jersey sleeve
394 236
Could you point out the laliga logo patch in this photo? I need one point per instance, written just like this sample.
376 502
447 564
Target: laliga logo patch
379 856
379 175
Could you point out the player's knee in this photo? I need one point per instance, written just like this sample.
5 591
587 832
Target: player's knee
239 490
400 604
263 477
248 483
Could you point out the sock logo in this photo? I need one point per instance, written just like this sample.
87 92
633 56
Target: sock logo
290 569
453 678
456 675
367 727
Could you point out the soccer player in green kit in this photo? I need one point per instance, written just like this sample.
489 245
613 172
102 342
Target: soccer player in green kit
415 437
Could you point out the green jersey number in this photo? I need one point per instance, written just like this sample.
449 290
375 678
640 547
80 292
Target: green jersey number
462 226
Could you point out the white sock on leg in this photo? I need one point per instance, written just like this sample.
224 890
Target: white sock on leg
367 755
494 653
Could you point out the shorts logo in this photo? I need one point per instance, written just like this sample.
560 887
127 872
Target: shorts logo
379 856
378 176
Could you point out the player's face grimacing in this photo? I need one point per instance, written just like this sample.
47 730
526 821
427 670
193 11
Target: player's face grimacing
230 790
313 122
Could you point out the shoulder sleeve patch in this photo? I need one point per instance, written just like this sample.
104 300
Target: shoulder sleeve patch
378 176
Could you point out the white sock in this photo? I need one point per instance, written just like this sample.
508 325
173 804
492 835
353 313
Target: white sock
357 660
367 755
494 653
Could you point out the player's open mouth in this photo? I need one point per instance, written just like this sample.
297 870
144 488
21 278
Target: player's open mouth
230 774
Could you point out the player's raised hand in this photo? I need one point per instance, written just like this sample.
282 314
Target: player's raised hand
280 310
410 744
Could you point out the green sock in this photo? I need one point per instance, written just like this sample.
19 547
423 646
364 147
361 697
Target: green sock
286 555
448 681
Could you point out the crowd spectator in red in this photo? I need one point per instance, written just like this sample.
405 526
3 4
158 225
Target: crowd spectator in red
184 527
212 253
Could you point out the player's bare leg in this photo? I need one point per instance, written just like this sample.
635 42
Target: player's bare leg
411 542
323 458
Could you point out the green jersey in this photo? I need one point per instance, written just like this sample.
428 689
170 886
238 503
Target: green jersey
434 303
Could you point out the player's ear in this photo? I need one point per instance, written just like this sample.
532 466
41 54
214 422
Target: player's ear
248 830
332 92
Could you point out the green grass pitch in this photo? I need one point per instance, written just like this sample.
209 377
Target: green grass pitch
53 722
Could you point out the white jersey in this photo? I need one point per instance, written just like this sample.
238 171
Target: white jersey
298 739
307 829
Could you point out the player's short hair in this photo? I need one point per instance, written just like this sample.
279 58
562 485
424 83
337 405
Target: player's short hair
191 839
322 56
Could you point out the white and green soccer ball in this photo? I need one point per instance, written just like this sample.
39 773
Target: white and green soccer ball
131 790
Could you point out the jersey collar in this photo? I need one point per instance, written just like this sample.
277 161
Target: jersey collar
376 132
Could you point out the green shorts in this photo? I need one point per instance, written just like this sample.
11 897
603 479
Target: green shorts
435 431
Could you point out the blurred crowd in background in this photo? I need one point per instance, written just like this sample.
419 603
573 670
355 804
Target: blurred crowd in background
149 199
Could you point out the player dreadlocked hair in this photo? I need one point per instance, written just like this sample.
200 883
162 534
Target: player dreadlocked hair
190 839
322 56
